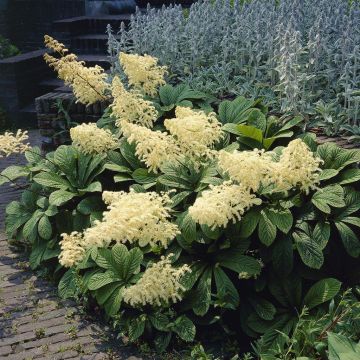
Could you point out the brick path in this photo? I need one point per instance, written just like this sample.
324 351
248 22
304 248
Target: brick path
34 323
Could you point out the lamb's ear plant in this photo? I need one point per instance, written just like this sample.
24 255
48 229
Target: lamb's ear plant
291 53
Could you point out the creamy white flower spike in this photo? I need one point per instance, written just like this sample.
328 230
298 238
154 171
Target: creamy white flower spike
135 218
130 106
195 132
155 148
143 72
13 143
159 284
297 167
72 249
90 139
248 168
221 204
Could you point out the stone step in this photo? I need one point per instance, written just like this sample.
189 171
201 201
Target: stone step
88 24
89 43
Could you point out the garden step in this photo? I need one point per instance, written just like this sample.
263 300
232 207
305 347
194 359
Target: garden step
89 24
89 43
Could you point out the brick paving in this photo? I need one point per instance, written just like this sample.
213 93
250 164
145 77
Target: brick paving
34 322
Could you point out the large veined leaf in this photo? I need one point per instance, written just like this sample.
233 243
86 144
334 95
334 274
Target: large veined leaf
131 264
30 227
226 289
321 233
335 157
68 286
349 238
282 219
65 159
184 328
99 280
52 180
137 327
159 321
264 308
322 291
332 195
143 176
203 293
12 173
349 176
267 229
242 264
310 252
45 228
60 197
283 256
113 303
248 223
90 204
342 348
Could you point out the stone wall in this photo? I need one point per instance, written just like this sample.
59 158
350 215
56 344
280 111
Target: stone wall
29 20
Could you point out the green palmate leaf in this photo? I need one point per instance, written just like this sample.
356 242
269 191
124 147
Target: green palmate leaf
120 254
45 228
159 321
327 174
162 341
335 157
332 195
352 220
65 159
122 178
349 238
342 348
13 172
265 309
187 227
52 180
322 291
349 176
283 256
68 286
60 197
226 289
137 327
131 264
104 293
282 219
267 229
103 258
99 280
321 233
203 293
93 187
143 176
309 250
249 223
184 328
242 264
113 303
178 198
30 227
90 204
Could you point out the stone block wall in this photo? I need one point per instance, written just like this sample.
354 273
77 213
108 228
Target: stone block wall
29 20
51 122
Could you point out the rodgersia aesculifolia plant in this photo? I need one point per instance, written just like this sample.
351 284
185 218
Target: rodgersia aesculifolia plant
171 217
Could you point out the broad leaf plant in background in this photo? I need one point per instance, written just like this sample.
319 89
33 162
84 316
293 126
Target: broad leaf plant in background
178 221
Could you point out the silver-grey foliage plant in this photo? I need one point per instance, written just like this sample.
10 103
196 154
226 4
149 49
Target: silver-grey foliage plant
294 52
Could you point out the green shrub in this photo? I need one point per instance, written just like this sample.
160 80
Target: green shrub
7 49
232 237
